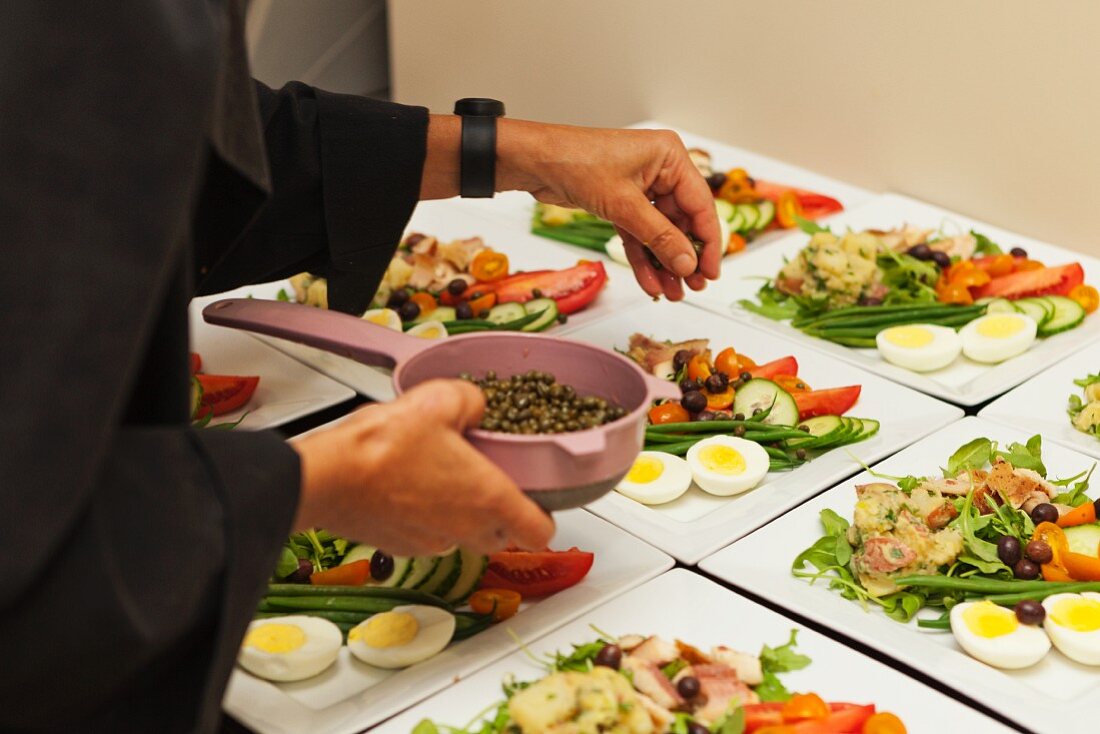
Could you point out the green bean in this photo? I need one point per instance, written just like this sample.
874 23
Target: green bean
360 604
265 611
858 343
589 242
777 434
704 426
870 311
408 596
1011 600
975 585
468 624
934 624
676 449
670 438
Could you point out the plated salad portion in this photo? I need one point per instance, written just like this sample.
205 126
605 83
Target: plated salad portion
737 420
216 395
390 611
434 288
922 297
1009 557
1084 410
638 684
746 207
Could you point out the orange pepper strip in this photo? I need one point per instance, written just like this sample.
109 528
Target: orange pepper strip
1082 515
803 706
489 266
1081 567
503 603
353 574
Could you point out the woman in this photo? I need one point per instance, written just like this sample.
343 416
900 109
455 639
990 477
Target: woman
141 165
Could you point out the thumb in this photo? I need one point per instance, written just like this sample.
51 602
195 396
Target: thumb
639 217
455 403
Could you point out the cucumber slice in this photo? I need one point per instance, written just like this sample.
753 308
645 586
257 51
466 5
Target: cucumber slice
442 313
760 394
401 566
1034 309
870 428
817 428
999 305
502 313
724 208
750 214
444 576
548 307
1068 313
420 569
737 221
767 214
1084 539
473 568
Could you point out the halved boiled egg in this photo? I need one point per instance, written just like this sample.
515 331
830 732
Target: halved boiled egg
997 337
726 465
402 637
1073 623
656 478
995 635
289 648
429 330
384 317
919 347
616 250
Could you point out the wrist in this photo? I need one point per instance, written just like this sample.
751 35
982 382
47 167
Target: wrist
520 154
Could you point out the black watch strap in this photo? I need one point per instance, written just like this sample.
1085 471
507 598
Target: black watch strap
479 145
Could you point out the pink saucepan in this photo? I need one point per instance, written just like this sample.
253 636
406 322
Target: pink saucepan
559 470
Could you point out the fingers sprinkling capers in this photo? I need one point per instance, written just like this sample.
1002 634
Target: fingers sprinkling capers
535 402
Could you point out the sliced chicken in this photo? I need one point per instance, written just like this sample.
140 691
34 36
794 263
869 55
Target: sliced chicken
629 642
746 665
649 680
719 687
649 352
661 717
656 650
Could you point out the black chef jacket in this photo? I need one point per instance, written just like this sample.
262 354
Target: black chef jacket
139 165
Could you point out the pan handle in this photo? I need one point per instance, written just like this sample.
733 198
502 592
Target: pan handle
332 331
661 389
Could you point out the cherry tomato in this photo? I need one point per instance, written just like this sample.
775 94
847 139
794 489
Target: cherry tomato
737 188
699 367
1029 265
727 363
803 706
960 268
791 383
883 723
223 394
1080 567
787 209
953 293
501 603
356 573
1001 265
721 400
482 303
489 266
736 243
671 412
426 302
970 278
1086 296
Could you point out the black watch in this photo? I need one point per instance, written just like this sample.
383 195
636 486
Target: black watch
479 145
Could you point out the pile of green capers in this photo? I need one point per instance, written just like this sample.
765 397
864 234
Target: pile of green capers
535 403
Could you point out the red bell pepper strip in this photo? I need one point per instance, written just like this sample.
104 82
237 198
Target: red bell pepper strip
768 370
813 205
834 401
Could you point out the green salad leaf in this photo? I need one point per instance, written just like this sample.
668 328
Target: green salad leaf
776 660
985 245
809 226
972 455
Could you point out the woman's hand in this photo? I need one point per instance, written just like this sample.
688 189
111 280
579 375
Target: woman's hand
641 180
401 476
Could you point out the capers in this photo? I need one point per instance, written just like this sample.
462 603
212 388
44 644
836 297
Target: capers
717 383
535 402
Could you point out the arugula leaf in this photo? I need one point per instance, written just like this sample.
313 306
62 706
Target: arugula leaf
972 455
425 727
985 245
1025 456
1087 380
282 295
288 563
785 658
902 605
833 523
673 668
1076 496
732 723
970 522
809 226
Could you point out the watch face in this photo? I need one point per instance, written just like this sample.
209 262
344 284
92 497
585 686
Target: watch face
479 107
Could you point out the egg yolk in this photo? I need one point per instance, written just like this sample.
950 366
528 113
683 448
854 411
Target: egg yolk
646 469
388 629
1000 326
986 619
380 319
910 337
722 460
276 638
1080 615
430 334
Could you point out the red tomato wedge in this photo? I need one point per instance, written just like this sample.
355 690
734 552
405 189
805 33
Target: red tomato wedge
814 206
834 401
196 363
356 573
572 288
1030 283
768 370
538 573
845 718
223 394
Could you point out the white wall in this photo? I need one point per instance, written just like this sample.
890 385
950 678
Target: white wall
990 107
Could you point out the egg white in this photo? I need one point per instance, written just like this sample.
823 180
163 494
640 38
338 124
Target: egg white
616 250
436 627
940 352
429 330
724 485
321 647
386 317
990 350
673 481
1084 647
1021 648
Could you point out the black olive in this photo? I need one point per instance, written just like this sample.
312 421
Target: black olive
536 293
746 376
688 385
715 180
381 566
694 401
408 311
1026 570
1008 550
610 656
942 259
688 687
1018 252
302 573
457 287
681 358
413 238
397 298
1039 552
694 727
717 383
1044 512
921 252
1030 611
463 311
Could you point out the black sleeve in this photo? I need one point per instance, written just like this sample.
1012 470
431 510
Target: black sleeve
345 178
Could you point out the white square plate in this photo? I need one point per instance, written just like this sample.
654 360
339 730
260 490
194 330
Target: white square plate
1041 402
683 605
1056 695
288 389
699 523
963 382
351 697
